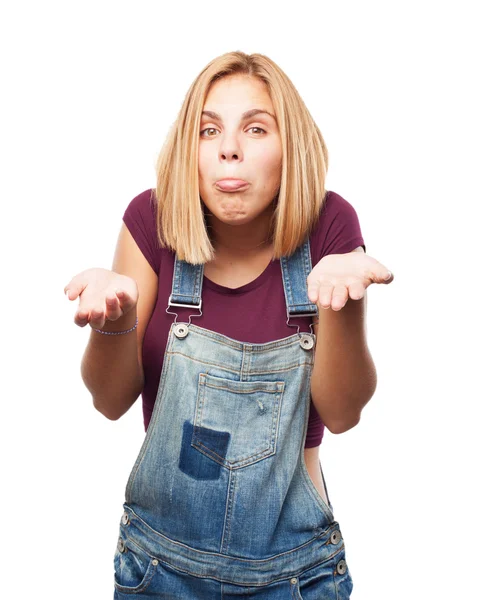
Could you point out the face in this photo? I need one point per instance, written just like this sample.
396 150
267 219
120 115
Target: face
232 145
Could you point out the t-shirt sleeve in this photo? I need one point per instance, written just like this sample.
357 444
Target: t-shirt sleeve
338 230
140 218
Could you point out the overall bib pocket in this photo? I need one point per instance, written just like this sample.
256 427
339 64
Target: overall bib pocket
236 422
134 568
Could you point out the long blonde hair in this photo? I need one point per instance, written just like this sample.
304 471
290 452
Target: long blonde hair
181 224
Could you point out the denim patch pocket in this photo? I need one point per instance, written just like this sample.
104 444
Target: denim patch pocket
246 410
134 568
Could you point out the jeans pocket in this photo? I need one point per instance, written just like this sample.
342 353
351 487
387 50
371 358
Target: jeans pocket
329 580
134 567
236 422
342 576
317 582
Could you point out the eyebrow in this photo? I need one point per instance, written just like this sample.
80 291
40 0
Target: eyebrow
246 115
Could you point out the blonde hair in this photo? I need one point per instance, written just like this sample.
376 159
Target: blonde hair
181 222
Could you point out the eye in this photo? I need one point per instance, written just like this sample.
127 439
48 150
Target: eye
208 129
258 128
214 129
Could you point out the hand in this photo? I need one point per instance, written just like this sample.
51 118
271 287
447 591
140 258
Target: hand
338 277
104 296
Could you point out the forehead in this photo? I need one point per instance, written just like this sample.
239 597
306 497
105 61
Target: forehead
238 92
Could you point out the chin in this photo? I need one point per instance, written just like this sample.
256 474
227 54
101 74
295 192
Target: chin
231 215
234 219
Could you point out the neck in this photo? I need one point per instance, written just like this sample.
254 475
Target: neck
240 239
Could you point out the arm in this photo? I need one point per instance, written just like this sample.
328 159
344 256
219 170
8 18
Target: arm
111 367
344 377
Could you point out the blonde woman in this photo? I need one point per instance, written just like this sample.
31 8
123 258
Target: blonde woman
236 307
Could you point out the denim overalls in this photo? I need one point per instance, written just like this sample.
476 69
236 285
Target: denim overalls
219 504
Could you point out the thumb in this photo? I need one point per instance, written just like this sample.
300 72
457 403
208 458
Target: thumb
387 277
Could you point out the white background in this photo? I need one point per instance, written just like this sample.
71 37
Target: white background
89 92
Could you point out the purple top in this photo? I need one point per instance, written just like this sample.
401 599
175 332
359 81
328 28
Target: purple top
247 313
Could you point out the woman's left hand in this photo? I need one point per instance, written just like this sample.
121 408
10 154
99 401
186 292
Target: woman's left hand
338 277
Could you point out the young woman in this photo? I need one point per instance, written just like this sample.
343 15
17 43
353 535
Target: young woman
244 281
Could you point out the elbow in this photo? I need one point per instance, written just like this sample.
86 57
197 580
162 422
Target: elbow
106 411
343 425
116 407
113 409
352 419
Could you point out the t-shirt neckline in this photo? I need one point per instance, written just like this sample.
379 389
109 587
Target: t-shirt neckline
247 287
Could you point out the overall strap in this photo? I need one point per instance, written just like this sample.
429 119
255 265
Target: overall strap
187 284
295 269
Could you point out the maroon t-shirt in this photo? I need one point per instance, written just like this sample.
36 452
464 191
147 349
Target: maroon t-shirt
254 313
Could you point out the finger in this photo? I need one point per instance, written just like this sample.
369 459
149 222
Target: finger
325 293
339 297
113 308
97 318
388 277
380 274
356 291
74 290
126 302
313 290
81 317
70 292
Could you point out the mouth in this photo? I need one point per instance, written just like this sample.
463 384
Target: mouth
231 185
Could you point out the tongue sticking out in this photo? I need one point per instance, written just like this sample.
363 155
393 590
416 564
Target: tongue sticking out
231 184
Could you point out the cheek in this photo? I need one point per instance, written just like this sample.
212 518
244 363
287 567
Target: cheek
205 160
202 165
269 162
204 177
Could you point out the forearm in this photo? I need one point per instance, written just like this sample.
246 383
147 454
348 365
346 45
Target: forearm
110 368
344 377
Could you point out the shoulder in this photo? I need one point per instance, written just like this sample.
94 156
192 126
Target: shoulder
336 206
337 229
143 204
140 218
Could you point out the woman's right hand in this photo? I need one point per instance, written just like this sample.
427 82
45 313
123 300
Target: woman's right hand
104 296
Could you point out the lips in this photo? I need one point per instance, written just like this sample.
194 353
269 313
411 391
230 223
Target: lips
230 185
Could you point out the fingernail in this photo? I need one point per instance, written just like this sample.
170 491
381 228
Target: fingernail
66 294
388 276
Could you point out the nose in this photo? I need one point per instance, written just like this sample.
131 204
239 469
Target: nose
230 149
229 156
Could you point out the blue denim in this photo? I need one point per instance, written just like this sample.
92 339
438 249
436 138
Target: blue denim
219 503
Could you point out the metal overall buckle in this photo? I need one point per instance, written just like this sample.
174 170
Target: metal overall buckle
306 340
181 330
